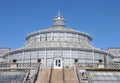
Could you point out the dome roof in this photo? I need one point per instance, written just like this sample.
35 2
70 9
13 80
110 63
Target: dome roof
58 26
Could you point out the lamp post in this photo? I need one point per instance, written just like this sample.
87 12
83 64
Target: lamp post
75 60
38 60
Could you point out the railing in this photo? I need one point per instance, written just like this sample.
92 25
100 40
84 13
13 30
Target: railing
80 65
113 66
78 77
25 65
36 73
19 65
15 69
50 76
4 65
87 65
63 75
95 65
25 79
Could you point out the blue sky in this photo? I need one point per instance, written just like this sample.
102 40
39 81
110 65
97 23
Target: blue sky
99 18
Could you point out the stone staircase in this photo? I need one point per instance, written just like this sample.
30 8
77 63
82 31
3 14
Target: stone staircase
68 75
44 76
57 76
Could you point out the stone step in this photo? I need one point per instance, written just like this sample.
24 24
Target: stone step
44 76
57 76
70 76
57 82
70 81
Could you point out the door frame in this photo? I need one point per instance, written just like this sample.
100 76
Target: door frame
57 62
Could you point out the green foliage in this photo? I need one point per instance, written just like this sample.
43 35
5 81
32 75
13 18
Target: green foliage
67 67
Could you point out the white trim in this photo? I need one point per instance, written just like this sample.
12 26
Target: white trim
9 58
45 60
23 57
70 58
59 64
51 36
93 57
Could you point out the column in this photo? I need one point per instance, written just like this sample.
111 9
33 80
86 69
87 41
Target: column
39 37
105 61
70 58
93 58
23 57
58 36
86 41
77 38
62 63
65 37
51 36
30 58
108 60
62 58
8 58
45 60
53 64
37 54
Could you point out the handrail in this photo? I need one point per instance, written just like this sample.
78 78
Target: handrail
63 75
95 65
25 79
34 65
19 65
36 73
77 74
50 74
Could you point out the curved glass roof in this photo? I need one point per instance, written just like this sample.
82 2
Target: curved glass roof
58 26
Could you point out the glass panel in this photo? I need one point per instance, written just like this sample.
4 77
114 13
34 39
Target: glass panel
59 61
104 77
56 62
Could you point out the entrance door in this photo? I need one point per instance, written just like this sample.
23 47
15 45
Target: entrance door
57 63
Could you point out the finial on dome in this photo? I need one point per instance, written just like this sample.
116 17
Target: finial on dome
59 14
59 20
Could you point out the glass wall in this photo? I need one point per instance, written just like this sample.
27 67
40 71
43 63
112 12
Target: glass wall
59 36
103 77
68 56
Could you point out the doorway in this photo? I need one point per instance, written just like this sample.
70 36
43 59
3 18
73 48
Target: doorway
58 63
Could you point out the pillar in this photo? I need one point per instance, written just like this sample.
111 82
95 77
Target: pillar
45 60
23 56
70 58
93 59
